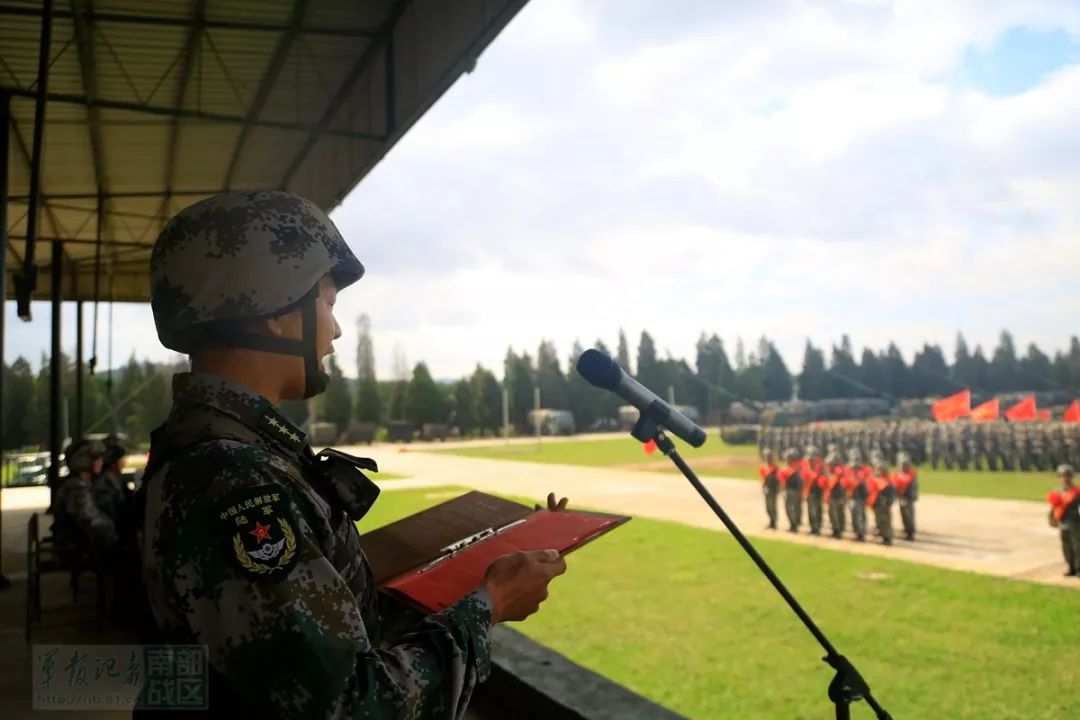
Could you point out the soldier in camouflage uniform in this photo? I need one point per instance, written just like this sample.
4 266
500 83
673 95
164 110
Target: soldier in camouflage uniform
108 489
1065 516
770 484
882 496
249 540
79 525
858 493
792 481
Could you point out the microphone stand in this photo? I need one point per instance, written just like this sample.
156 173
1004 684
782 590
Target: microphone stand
847 685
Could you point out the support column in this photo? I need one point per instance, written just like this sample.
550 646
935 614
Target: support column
5 124
56 277
77 421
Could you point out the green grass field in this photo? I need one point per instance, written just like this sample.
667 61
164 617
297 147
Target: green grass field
717 458
683 617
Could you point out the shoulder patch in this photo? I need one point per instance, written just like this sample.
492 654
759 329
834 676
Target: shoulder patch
259 528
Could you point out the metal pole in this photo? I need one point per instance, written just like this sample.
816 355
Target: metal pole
44 50
671 395
536 408
5 123
77 424
55 389
506 414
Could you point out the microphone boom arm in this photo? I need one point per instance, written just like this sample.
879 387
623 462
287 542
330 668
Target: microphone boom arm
847 685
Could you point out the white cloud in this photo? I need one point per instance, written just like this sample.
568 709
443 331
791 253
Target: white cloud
791 169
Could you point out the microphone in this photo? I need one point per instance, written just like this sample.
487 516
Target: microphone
605 373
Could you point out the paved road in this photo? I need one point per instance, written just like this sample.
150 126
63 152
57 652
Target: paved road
1006 538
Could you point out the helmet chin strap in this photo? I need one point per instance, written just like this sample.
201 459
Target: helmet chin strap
315 380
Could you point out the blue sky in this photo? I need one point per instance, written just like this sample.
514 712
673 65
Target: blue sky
894 171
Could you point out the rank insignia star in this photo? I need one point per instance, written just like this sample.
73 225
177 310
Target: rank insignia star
261 532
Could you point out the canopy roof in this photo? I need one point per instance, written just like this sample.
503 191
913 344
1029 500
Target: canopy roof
155 104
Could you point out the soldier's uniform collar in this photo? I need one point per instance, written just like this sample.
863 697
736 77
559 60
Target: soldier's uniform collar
238 402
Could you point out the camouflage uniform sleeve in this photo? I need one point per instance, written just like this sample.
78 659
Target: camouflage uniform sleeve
92 523
252 582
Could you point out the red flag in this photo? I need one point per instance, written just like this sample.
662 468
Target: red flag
1072 415
1044 415
989 410
1023 410
953 407
649 447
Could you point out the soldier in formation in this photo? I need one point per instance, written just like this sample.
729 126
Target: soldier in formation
837 491
791 480
249 539
843 488
881 497
906 481
815 480
1065 516
997 446
770 484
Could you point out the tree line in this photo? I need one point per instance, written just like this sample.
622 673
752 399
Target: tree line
136 398
756 373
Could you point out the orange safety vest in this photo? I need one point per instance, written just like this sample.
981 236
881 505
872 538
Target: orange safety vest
903 480
765 470
838 476
1060 501
877 484
786 473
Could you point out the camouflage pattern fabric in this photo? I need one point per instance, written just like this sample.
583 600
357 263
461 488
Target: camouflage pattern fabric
213 260
837 500
108 493
243 552
996 446
78 520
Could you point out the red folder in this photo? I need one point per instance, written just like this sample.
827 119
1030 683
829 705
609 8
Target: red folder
438 577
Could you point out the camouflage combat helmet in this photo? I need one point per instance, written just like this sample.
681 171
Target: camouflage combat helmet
243 256
82 453
114 450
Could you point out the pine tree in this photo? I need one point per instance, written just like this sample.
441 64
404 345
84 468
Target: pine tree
897 374
872 373
622 355
930 373
519 380
487 396
776 381
1036 371
647 366
464 407
18 401
814 384
844 373
368 405
1003 375
550 378
424 401
335 405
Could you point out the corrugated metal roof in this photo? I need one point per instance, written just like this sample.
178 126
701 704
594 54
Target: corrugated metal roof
192 97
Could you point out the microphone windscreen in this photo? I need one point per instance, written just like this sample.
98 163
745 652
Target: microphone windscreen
599 369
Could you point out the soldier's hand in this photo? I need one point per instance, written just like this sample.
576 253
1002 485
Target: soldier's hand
552 505
518 583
